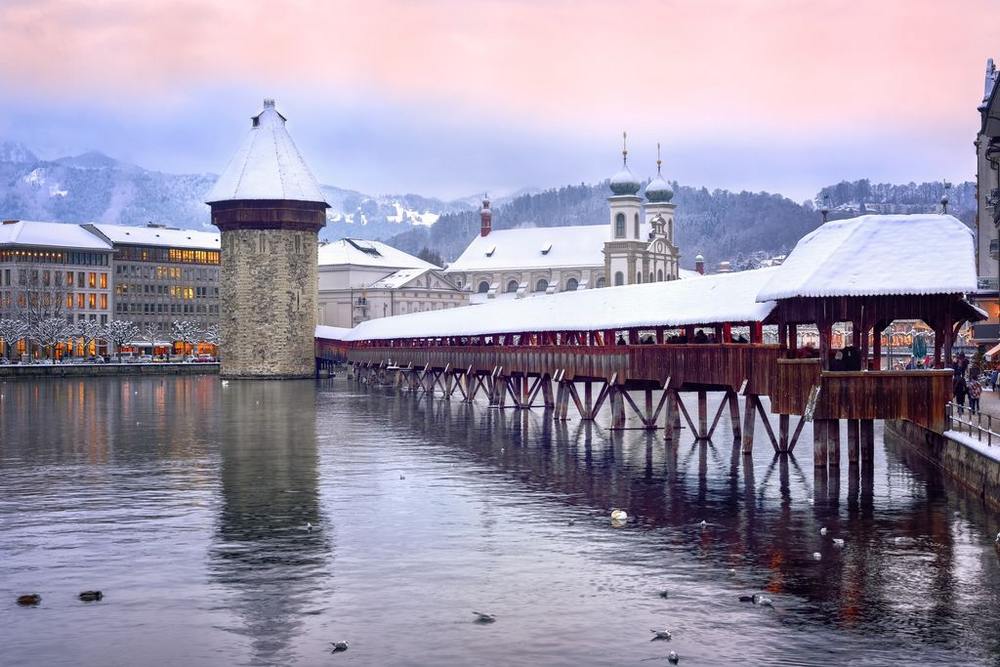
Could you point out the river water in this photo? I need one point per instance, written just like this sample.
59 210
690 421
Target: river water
189 503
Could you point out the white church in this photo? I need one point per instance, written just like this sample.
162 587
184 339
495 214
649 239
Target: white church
636 247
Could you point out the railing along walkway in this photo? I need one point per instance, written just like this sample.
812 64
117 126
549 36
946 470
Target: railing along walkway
963 419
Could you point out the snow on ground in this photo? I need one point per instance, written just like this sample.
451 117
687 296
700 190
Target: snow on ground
975 445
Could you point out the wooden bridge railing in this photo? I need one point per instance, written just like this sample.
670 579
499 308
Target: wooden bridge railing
723 365
919 396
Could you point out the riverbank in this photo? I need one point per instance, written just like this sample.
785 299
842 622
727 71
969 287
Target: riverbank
105 370
973 464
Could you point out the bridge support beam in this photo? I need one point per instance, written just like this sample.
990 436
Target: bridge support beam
833 437
853 439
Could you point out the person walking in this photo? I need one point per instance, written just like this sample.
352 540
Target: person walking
960 391
975 390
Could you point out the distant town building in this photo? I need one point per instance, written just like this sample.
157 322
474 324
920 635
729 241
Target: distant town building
363 280
269 208
52 270
637 247
988 209
163 274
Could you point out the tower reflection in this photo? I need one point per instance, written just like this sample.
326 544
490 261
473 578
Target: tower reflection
265 554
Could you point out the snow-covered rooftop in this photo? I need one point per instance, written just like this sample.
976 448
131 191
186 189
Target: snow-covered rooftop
160 236
357 252
50 234
399 278
579 245
331 333
878 255
267 165
707 300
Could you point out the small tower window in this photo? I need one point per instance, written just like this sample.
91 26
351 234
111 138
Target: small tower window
619 278
571 285
512 286
638 277
601 282
659 275
541 285
650 276
636 225
483 288
620 226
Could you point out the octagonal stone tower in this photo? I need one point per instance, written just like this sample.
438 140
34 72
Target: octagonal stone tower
269 209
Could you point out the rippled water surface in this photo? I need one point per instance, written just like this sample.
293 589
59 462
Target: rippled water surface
189 503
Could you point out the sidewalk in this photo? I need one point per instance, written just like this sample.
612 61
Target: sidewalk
989 403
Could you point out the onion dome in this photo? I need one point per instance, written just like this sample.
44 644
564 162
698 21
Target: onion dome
658 190
699 258
625 182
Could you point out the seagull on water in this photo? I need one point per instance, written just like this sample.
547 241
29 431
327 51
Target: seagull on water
763 601
484 618
661 634
817 555
673 658
703 524
337 647
838 542
619 515
823 530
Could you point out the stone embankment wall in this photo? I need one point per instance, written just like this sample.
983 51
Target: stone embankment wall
973 469
104 370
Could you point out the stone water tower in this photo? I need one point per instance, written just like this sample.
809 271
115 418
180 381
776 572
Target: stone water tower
269 208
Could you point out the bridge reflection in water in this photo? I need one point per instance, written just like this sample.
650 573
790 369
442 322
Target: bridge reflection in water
764 511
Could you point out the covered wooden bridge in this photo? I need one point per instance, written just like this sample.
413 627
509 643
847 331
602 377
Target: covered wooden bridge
657 349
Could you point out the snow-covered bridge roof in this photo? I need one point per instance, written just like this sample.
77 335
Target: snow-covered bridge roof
712 299
878 255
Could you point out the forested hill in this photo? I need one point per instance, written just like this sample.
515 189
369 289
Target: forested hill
721 225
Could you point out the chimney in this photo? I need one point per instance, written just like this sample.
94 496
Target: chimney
699 264
486 218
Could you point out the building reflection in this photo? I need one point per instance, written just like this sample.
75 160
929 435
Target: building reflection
264 554
759 510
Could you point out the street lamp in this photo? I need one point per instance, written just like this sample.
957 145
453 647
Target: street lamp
825 208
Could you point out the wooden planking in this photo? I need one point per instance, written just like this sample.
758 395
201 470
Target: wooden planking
917 396
794 379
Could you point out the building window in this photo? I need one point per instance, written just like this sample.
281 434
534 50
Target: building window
659 275
601 282
638 277
619 278
650 276
104 281
571 285
483 288
636 225
620 226
541 285
512 286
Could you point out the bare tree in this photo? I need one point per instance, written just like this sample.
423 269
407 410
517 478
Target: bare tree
50 331
88 331
185 331
12 331
213 336
119 332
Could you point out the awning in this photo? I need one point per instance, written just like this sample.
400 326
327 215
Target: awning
992 352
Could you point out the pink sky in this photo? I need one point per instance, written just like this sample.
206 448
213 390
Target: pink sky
770 71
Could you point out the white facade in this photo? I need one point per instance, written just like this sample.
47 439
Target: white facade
637 247
363 280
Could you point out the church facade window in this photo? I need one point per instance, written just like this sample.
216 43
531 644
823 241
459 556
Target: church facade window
541 285
571 285
659 275
619 278
620 226
483 288
511 286
636 225
601 282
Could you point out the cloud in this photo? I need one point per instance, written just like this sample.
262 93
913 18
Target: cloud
508 78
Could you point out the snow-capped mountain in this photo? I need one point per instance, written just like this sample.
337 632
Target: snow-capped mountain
93 187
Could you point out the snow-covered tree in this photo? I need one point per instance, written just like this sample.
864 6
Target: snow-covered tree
119 332
88 331
49 331
185 331
212 335
151 333
11 331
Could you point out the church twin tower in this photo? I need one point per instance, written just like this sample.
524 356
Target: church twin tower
641 248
